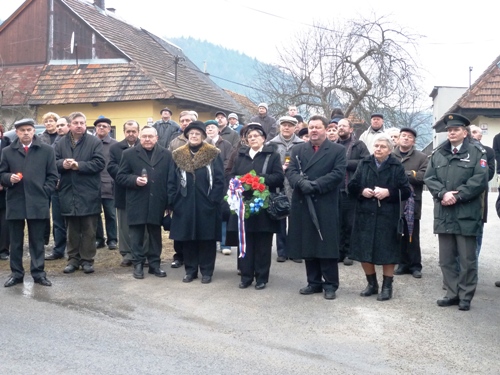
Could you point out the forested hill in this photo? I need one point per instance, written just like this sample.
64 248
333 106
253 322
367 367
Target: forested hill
221 62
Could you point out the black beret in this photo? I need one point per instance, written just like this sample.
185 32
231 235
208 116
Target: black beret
455 119
24 121
102 119
409 130
303 132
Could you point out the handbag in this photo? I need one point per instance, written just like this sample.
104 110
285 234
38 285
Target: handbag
279 205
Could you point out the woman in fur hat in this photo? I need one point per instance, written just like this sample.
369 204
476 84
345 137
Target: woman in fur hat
196 193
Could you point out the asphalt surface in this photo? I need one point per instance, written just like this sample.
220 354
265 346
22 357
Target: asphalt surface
110 323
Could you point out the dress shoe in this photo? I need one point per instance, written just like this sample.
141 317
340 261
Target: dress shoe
188 278
310 290
400 271
158 272
53 256
70 268
330 294
126 263
446 301
296 260
42 281
464 305
100 244
4 256
88 268
138 271
260 286
176 264
417 274
497 283
206 279
243 285
112 245
280 259
11 281
348 261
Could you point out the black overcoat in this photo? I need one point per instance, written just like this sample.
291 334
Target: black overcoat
29 198
115 156
80 190
197 205
327 167
274 178
145 204
375 237
4 142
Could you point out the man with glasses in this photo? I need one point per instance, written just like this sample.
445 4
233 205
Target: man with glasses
80 160
415 164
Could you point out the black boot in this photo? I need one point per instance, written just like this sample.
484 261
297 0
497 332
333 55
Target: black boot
138 271
372 287
386 292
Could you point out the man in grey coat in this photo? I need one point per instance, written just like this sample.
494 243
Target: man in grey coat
29 172
80 160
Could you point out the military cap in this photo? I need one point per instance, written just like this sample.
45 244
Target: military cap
454 120
24 121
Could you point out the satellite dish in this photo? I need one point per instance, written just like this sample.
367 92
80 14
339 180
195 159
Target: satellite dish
72 45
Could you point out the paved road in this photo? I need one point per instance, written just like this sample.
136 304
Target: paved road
110 323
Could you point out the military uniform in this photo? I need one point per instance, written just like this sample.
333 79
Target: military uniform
457 225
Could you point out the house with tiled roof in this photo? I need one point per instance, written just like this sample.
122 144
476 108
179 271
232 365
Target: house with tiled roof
480 103
76 55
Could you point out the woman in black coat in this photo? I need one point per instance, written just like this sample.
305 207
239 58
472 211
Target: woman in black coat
196 192
378 182
259 228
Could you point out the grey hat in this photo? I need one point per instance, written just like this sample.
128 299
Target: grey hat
233 115
289 119
24 121
377 115
264 105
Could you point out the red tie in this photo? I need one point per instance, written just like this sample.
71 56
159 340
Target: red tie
315 148
455 150
26 148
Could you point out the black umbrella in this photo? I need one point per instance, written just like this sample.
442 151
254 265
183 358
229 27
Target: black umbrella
310 205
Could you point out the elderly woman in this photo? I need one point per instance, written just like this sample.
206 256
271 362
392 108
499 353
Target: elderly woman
196 192
259 228
378 183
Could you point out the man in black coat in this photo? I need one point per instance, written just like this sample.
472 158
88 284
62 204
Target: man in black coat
4 228
80 160
144 171
316 170
131 131
29 172
355 151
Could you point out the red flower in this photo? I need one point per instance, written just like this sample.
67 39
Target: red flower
261 187
255 185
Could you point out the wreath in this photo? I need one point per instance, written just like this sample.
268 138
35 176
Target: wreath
249 192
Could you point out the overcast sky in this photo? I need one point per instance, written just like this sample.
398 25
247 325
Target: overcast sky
456 36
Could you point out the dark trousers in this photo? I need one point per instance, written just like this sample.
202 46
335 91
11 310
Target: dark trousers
199 255
281 238
58 226
347 206
178 248
46 232
139 252
323 273
4 233
36 231
81 239
411 256
108 206
257 260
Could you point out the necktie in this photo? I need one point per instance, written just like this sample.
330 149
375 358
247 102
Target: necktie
315 148
26 148
455 150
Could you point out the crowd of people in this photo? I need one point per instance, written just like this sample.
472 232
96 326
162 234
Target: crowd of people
351 199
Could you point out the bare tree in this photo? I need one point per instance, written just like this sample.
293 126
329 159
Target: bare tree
355 65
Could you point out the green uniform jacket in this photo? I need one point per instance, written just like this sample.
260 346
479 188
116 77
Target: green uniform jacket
465 172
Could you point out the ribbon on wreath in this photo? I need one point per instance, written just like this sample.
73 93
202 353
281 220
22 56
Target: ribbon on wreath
236 204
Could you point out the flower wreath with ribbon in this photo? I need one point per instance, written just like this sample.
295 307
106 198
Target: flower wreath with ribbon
247 195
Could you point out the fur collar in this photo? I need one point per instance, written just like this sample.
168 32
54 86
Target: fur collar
189 163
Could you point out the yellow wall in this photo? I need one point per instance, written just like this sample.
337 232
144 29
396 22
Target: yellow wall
119 112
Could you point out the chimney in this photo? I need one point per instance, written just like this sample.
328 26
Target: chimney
100 4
